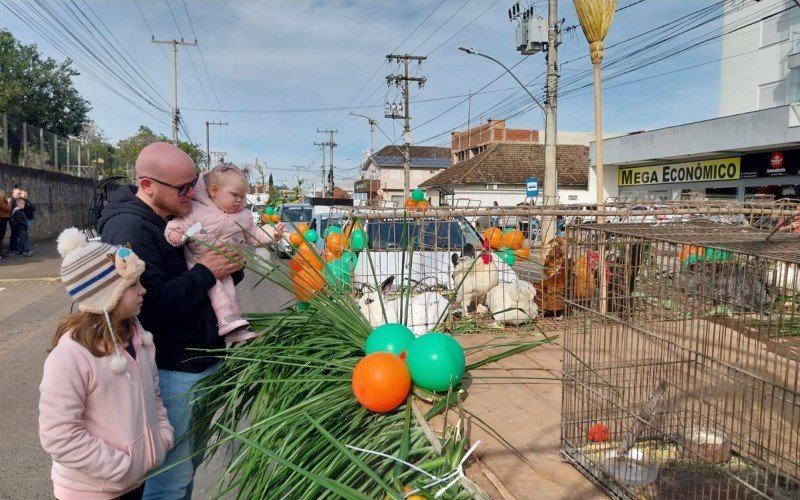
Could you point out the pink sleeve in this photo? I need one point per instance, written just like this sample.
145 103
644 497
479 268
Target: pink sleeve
167 432
179 225
255 234
61 430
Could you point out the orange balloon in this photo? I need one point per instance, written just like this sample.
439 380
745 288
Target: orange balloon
513 239
335 242
423 205
348 229
410 203
305 258
306 283
329 256
295 239
381 382
275 218
523 253
495 237
302 227
264 218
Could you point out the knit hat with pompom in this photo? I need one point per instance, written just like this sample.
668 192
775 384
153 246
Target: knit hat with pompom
96 274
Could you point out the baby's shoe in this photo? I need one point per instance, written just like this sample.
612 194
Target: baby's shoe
239 337
230 323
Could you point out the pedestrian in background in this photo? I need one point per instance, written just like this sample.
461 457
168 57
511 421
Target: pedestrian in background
5 217
100 416
12 243
19 224
29 208
176 308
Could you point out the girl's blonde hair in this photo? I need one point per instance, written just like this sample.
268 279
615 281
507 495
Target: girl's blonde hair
217 175
92 331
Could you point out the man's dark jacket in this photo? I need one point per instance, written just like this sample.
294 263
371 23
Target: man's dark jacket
176 307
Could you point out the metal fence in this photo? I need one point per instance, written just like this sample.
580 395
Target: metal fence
26 145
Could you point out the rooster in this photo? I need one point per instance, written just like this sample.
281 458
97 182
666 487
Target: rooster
474 277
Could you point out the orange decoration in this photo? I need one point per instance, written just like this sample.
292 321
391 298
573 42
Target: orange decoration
381 382
523 253
410 203
348 229
329 256
513 239
495 237
295 239
275 218
305 258
598 433
306 283
687 250
423 205
335 242
264 219
302 227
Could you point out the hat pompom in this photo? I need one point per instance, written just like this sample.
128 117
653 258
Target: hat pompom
118 364
69 240
147 338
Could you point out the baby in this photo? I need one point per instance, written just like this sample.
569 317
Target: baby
219 206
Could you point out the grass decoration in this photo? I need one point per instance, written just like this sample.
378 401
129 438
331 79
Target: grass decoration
282 410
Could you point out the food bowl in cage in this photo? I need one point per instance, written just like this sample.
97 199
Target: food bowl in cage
633 469
710 446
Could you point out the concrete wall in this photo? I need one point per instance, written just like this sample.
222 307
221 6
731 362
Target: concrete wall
510 195
61 200
756 55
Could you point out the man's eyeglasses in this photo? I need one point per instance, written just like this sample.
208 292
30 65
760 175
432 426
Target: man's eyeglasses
183 189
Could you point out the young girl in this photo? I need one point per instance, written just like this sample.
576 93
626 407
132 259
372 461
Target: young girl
100 415
219 206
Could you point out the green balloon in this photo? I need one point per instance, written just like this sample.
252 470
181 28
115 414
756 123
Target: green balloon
507 256
350 257
391 337
302 306
507 230
332 230
337 273
358 240
311 236
436 361
418 195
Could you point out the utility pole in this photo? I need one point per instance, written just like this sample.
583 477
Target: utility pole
397 79
331 144
208 153
372 123
175 112
550 114
322 170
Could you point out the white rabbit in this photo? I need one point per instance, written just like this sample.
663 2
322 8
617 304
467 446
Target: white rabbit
512 303
424 310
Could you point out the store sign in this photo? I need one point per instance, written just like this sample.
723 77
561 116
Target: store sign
774 164
721 169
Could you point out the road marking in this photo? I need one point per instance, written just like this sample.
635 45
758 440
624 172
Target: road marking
48 279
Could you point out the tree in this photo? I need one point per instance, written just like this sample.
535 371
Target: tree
96 146
129 148
38 90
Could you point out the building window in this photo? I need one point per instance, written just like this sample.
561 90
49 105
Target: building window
772 94
793 85
775 28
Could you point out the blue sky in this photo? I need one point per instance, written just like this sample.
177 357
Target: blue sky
283 69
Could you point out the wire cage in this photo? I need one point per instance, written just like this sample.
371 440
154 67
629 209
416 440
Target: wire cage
681 375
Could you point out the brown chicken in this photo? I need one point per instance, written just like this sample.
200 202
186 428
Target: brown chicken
551 292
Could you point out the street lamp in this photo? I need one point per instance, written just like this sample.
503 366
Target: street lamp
372 123
550 172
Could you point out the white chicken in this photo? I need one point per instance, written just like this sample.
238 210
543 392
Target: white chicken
474 280
421 312
512 303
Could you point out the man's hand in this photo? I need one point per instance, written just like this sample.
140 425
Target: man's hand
222 264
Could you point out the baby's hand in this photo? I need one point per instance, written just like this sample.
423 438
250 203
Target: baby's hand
280 226
175 238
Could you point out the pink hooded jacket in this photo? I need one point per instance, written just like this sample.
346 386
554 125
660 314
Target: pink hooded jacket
104 430
218 226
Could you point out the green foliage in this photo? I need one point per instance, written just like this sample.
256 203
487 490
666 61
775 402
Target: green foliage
130 147
39 89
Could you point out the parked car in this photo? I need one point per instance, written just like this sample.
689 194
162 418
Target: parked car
428 266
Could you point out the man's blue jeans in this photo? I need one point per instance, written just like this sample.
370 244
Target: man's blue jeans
176 483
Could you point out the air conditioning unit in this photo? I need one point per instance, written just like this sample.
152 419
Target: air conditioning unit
531 35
